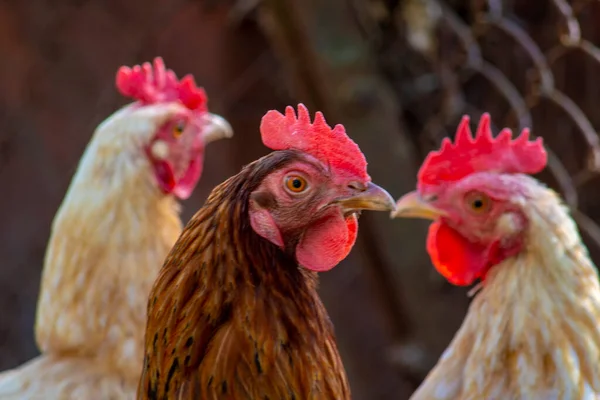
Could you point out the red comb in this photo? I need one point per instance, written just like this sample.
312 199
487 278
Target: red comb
331 146
158 85
466 155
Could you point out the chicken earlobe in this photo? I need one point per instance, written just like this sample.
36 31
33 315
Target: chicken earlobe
261 220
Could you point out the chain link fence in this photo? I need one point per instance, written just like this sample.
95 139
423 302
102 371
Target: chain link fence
531 63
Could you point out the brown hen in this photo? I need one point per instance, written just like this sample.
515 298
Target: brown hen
234 313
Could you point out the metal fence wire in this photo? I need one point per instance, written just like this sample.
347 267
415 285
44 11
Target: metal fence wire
530 63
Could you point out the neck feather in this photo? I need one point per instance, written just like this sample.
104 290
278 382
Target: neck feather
533 331
219 250
225 285
108 241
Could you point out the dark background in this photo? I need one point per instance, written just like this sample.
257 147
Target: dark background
398 74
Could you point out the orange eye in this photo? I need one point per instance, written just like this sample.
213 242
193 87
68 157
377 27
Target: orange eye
478 202
295 183
178 129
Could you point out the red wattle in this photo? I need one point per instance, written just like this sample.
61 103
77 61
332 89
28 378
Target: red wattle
459 261
185 186
352 224
327 242
165 176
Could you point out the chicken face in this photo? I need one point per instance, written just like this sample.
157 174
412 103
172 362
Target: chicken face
179 107
478 223
177 150
311 210
474 190
309 204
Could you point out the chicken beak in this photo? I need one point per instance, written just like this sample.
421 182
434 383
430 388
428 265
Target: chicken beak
216 127
412 205
372 197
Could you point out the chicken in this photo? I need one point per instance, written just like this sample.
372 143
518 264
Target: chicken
117 223
533 329
234 313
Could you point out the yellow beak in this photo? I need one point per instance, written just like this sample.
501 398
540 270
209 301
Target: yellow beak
372 198
216 128
412 205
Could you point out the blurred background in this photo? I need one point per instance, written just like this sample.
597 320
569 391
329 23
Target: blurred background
398 74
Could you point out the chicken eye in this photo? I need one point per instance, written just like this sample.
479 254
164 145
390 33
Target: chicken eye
178 129
295 183
478 202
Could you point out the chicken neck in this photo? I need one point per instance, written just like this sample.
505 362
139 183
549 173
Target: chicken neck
108 241
533 331
232 314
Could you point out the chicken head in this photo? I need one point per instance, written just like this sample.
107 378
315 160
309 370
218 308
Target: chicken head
184 126
310 205
474 190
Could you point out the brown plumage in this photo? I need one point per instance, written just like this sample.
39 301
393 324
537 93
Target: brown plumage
232 314
239 311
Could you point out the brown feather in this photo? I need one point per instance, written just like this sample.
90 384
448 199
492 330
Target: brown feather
233 316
